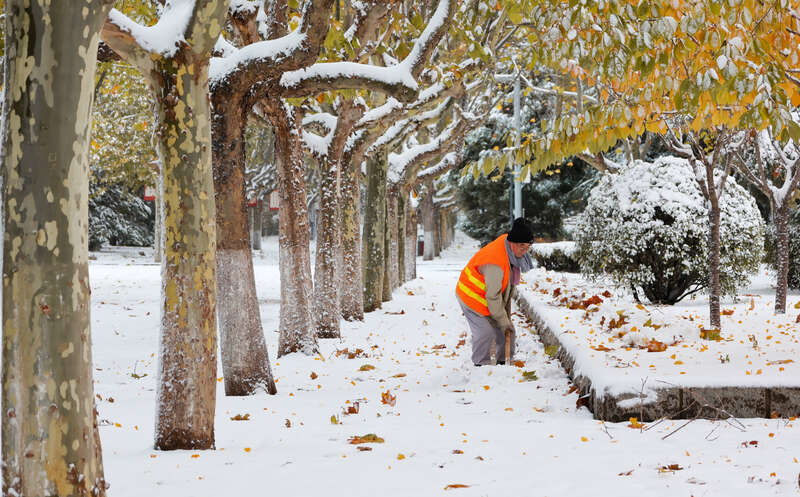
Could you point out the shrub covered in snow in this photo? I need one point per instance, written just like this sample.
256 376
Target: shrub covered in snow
647 228
118 217
558 256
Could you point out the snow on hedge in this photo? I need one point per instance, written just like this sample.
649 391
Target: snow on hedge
648 227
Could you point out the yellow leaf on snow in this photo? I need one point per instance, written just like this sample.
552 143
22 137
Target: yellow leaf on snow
455 485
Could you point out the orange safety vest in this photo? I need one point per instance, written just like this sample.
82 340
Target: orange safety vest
471 288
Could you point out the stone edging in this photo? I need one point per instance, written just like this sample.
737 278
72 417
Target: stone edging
671 402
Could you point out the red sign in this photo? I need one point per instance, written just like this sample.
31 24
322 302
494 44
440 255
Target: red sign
274 200
149 194
252 202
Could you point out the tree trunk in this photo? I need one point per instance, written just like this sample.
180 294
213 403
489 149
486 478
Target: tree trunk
326 283
402 212
50 444
296 323
714 249
352 287
188 342
437 231
390 247
245 362
258 217
374 230
428 221
411 244
158 229
782 235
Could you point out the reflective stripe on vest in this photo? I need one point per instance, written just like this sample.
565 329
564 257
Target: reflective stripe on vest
471 287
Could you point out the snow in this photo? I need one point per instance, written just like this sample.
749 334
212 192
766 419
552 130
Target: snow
163 37
513 437
399 74
221 67
319 145
754 342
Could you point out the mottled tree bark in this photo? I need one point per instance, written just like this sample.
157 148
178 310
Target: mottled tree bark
410 241
713 263
326 286
402 211
245 362
437 231
188 349
50 444
412 234
158 229
258 222
374 230
782 247
296 323
390 247
428 221
352 292
328 269
188 341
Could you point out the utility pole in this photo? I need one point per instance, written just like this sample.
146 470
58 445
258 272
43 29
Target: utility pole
517 139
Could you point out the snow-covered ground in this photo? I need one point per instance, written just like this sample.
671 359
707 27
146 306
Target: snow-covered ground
625 347
451 423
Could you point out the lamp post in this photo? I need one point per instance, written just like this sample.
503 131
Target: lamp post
515 193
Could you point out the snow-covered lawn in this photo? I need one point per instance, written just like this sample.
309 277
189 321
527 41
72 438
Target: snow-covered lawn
450 423
620 344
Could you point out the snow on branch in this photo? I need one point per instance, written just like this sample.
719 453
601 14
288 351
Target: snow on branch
398 80
256 54
448 162
316 144
163 38
257 61
328 76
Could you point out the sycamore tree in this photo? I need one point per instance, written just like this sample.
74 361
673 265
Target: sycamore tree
173 56
50 442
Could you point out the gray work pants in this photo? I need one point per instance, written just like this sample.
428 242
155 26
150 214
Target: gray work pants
483 332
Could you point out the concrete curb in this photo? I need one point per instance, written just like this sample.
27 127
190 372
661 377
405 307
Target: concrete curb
672 402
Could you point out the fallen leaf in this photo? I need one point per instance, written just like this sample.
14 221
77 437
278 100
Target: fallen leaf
399 375
409 292
314 375
363 448
366 367
334 419
600 348
439 347
388 398
712 334
626 473
400 457
671 467
606 294
455 485
656 346
402 311
781 361
288 423
634 423
369 438
458 451
727 312
519 364
239 417
529 376
486 387
584 439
